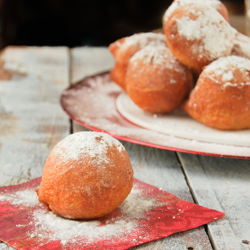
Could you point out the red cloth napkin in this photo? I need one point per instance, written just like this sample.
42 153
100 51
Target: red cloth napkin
147 214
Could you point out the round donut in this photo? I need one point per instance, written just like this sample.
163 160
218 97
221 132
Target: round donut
216 4
221 96
123 49
197 35
156 81
87 175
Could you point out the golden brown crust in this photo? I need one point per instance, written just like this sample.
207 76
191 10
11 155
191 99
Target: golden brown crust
197 35
123 49
86 188
222 9
156 81
222 100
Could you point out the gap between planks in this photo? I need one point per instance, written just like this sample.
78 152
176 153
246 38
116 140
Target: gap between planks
193 195
221 184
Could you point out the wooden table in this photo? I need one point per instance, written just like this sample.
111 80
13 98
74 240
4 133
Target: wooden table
32 122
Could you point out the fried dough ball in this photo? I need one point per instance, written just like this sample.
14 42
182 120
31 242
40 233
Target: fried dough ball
221 96
123 49
216 4
156 81
87 175
197 35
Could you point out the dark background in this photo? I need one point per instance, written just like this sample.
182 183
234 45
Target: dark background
75 23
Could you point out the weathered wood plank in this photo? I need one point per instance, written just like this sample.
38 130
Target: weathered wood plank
222 184
31 119
162 169
154 166
5 247
86 61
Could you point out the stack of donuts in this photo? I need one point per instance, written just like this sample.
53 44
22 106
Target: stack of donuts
200 63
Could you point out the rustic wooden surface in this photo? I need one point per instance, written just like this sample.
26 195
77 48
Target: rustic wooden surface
32 122
222 184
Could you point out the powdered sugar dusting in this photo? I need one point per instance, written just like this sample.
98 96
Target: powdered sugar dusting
159 56
179 3
227 76
143 39
27 197
224 67
152 55
216 36
47 225
132 209
66 230
90 144
241 46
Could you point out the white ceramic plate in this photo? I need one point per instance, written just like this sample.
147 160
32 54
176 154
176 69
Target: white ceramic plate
99 104
179 124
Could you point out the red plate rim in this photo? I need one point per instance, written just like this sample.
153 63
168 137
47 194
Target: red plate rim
131 140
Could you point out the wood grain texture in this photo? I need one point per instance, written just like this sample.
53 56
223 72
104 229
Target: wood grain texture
86 61
154 166
5 247
32 121
222 184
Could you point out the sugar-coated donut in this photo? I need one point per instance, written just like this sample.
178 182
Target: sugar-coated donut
197 35
216 4
87 175
221 96
156 81
123 49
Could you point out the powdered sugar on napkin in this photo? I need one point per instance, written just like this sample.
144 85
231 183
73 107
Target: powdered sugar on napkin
47 225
